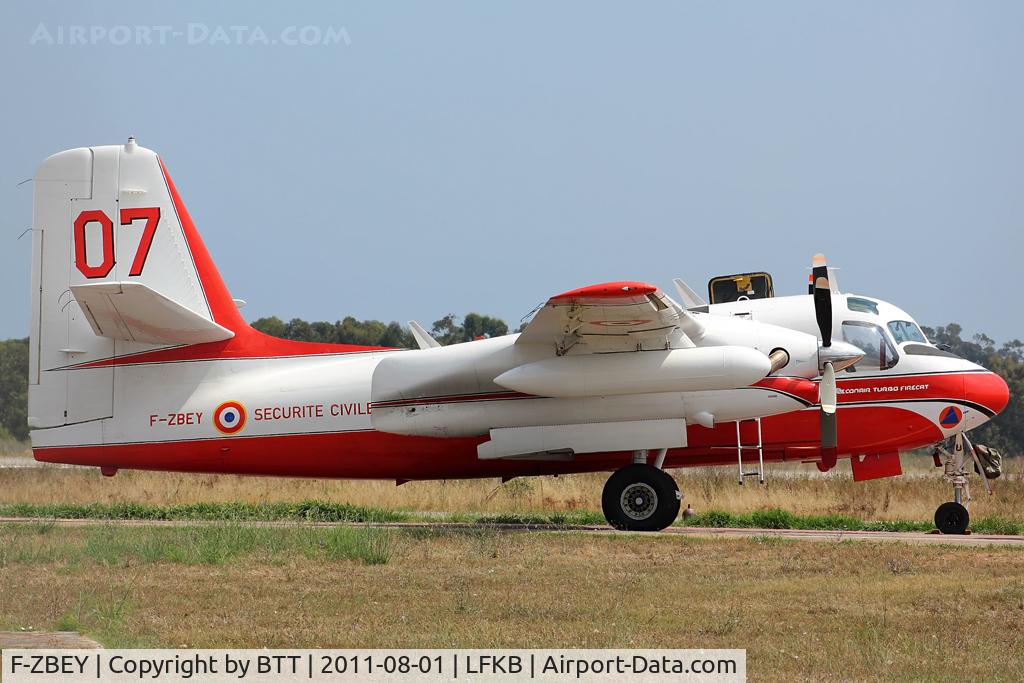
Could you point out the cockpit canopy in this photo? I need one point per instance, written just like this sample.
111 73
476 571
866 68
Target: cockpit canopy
882 331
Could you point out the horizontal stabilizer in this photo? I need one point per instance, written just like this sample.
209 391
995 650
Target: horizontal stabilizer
131 311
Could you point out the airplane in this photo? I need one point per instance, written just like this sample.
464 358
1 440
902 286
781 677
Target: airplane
141 359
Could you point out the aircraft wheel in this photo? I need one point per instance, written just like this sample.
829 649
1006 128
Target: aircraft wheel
952 518
640 498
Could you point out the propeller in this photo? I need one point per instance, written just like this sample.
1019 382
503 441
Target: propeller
822 293
822 299
832 357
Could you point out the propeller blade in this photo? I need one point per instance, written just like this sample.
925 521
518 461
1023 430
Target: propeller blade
822 299
829 436
827 393
827 418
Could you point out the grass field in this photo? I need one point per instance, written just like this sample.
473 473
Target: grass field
799 489
821 611
804 611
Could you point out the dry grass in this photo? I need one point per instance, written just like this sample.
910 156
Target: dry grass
846 611
796 488
14 447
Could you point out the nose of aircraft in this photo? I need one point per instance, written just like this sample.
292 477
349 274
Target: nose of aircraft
987 389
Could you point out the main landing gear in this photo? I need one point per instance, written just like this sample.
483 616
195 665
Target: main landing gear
641 497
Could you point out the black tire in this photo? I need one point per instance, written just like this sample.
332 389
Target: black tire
640 498
952 518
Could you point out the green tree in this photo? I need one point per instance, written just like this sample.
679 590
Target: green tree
475 325
14 388
448 330
273 326
347 331
1006 431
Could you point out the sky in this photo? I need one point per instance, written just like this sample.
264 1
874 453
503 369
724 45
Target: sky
405 160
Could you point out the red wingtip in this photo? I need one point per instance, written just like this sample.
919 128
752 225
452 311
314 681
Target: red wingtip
608 290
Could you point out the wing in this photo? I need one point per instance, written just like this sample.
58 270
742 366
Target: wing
609 317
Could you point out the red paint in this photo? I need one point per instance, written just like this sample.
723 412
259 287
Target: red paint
222 307
829 458
981 387
152 216
247 342
876 466
377 455
861 429
940 388
802 389
853 389
106 234
453 398
606 291
988 389
226 427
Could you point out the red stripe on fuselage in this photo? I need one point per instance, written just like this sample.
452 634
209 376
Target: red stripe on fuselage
378 455
453 398
879 389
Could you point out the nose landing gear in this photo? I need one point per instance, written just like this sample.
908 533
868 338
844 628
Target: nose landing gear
640 497
952 517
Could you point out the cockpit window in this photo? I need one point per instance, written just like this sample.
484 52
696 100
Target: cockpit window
855 303
879 354
906 331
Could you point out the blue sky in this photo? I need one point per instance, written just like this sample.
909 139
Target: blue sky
469 156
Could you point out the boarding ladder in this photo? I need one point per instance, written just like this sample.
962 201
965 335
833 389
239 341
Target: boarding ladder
759 472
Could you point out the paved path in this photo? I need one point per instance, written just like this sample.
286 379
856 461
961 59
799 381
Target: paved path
19 640
697 532
835 536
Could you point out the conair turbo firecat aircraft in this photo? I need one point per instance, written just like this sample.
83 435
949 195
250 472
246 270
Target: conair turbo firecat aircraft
140 359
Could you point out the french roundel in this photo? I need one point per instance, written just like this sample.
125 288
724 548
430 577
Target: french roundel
950 417
229 417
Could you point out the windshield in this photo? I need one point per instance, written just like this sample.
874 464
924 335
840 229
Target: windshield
879 354
906 331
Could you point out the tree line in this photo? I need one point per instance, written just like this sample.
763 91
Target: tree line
447 330
1006 432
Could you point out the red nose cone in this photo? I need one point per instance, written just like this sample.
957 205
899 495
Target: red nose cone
988 389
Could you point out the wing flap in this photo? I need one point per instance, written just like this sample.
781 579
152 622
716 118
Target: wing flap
608 317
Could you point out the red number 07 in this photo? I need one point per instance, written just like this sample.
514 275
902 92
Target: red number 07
128 216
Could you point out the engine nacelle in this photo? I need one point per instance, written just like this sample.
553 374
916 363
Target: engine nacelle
612 374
